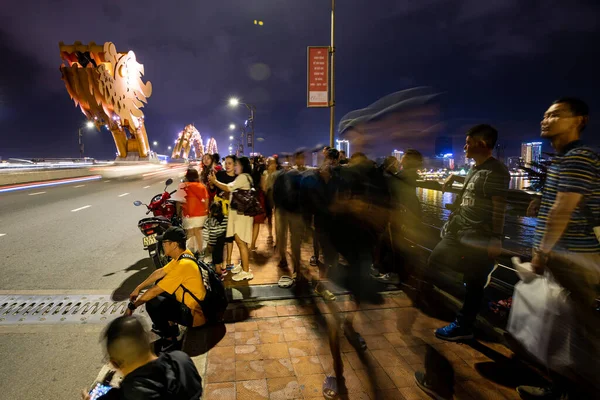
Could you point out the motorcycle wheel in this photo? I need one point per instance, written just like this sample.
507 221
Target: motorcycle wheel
158 258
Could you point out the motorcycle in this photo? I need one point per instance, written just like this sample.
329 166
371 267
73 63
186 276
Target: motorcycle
164 213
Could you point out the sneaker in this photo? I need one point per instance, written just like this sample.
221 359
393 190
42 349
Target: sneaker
454 332
236 269
243 276
229 267
375 272
428 388
532 392
313 261
390 278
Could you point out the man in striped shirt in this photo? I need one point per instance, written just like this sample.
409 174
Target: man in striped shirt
564 240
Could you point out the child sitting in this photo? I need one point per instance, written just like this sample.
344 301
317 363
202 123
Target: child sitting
216 227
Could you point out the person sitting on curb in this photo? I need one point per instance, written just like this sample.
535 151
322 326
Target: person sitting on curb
167 302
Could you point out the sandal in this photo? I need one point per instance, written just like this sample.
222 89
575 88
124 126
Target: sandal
331 388
286 282
355 339
324 293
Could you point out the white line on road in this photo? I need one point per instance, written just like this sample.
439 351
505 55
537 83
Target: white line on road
106 181
35 194
2 234
124 194
78 186
80 208
146 187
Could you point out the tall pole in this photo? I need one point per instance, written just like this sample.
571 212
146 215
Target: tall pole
332 78
252 117
80 144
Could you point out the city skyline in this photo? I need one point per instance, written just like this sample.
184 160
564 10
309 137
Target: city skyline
195 68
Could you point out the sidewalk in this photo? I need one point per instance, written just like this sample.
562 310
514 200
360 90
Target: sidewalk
281 352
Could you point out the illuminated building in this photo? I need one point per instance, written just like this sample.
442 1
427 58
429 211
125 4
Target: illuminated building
398 154
343 145
107 86
513 162
531 152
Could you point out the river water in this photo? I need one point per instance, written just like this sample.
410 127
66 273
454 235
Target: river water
518 231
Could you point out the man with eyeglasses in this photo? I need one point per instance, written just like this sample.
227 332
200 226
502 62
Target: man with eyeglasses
169 301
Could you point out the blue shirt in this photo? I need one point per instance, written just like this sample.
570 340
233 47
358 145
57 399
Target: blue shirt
576 170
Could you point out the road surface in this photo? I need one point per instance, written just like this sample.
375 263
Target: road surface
80 238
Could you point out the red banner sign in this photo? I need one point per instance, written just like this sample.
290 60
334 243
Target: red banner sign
318 77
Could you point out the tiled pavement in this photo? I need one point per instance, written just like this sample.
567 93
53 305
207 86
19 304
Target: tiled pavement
281 352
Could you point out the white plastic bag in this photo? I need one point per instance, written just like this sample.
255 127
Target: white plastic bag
542 320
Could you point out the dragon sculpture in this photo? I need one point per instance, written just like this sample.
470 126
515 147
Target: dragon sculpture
107 86
211 146
188 137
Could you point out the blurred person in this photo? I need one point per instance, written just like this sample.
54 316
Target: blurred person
267 180
565 241
216 228
167 302
317 191
195 208
257 177
472 236
226 176
238 225
171 375
343 158
405 221
299 162
288 217
358 158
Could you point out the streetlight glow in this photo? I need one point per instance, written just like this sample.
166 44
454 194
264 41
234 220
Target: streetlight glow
89 124
169 148
234 102
232 127
155 143
230 137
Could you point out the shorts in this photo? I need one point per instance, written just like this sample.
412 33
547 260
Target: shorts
193 222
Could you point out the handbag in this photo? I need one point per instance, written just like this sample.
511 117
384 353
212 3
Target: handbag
245 201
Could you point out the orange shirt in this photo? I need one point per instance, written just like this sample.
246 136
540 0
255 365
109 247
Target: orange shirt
196 200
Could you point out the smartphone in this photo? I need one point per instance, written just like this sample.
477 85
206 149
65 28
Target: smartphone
98 391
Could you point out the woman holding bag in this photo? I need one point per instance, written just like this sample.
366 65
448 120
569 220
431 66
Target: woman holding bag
239 226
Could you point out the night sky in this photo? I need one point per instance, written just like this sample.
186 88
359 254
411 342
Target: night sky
495 61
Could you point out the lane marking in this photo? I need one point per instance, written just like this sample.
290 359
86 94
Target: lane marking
78 186
124 194
2 234
106 181
32 185
80 208
146 187
35 194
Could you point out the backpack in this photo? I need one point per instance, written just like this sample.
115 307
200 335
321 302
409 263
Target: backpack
214 304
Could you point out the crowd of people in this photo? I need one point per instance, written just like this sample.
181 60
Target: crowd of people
361 216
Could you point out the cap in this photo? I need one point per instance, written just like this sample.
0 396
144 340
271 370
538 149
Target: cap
173 234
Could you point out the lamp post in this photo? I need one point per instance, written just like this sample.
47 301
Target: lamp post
234 102
88 125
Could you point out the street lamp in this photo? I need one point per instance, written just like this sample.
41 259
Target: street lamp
88 125
231 127
234 102
169 148
155 143
230 137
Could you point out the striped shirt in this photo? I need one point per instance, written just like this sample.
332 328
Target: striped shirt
576 170
214 229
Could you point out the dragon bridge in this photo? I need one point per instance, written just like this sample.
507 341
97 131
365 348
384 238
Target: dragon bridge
188 137
107 86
